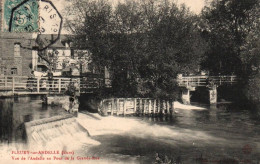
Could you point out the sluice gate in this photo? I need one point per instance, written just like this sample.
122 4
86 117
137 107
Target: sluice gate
136 106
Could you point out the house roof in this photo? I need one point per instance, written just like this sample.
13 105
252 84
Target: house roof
60 43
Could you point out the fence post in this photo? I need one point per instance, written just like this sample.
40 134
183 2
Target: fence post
144 110
13 84
154 106
135 105
159 107
149 106
140 105
38 84
59 85
168 107
112 106
162 105
124 107
172 107
117 106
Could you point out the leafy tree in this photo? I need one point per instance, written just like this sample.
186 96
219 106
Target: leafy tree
144 43
226 25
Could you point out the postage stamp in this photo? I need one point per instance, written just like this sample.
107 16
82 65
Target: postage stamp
24 17
33 16
20 15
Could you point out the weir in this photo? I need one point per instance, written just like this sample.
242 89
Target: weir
48 131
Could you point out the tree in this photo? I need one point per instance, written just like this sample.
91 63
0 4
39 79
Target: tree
145 44
226 24
231 29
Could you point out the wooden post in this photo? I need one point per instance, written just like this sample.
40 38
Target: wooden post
154 106
135 105
144 110
186 96
164 106
149 106
140 105
117 107
168 107
124 112
213 95
13 86
59 84
112 106
38 84
172 107
159 106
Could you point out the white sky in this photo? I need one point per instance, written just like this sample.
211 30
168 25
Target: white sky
194 5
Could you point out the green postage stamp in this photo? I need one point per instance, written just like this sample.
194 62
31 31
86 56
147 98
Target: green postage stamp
20 15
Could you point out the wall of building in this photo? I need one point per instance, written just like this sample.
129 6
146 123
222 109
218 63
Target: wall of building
10 62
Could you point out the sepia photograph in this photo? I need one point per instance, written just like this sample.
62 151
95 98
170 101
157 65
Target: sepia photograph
130 81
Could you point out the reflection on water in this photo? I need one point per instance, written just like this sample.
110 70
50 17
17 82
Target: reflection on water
15 111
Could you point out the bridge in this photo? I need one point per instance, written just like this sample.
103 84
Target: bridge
211 82
23 85
200 81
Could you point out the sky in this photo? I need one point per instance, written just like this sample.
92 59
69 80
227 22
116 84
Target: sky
194 5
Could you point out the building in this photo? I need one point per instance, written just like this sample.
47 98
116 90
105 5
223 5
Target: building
20 55
63 58
16 51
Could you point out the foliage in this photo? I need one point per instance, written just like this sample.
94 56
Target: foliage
225 25
144 43
231 29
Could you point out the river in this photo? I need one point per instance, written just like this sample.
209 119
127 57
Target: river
219 134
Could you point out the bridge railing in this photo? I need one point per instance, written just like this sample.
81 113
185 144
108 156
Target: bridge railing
18 84
197 81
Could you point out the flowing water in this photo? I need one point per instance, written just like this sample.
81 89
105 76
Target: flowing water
15 112
217 135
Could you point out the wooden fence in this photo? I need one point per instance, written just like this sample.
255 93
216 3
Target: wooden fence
23 84
136 106
197 81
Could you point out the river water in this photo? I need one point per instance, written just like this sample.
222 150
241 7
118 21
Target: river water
219 134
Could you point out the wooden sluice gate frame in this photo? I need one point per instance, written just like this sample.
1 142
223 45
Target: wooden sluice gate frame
136 106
